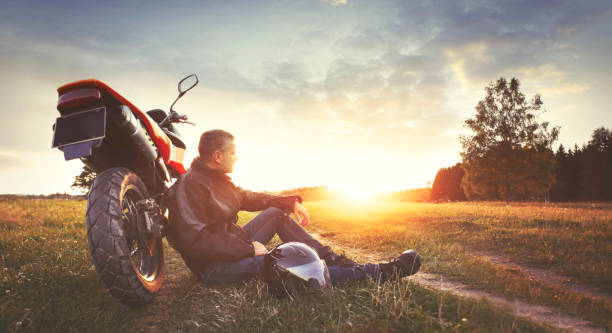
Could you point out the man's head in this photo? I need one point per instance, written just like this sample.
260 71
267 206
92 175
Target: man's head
218 150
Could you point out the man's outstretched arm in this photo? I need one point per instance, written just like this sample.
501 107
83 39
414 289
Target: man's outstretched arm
256 201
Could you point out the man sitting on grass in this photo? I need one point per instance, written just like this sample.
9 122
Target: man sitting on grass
203 212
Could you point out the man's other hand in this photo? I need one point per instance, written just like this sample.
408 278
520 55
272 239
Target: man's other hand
259 248
301 214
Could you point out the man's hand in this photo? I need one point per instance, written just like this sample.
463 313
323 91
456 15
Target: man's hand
301 214
260 249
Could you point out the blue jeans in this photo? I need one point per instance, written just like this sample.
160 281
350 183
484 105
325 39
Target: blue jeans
261 229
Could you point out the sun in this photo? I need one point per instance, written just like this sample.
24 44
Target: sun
357 194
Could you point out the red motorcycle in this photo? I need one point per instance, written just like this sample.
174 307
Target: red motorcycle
135 156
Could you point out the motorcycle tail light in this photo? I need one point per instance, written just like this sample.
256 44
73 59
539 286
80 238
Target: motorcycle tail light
77 99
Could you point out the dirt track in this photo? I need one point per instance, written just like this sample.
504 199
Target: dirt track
544 315
549 277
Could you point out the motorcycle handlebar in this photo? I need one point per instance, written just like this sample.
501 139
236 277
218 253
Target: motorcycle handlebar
174 117
182 119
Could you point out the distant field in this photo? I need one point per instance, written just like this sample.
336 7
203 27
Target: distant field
48 282
571 239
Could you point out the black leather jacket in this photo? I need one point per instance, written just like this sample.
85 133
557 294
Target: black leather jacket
203 209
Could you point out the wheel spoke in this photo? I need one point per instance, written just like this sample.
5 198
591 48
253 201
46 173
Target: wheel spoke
142 264
145 257
145 265
128 210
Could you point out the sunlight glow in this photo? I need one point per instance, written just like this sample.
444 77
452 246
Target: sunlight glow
357 193
354 174
356 196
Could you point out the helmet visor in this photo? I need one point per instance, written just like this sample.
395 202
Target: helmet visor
312 271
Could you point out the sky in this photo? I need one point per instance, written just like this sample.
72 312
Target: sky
361 96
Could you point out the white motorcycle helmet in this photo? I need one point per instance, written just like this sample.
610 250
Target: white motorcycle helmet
294 267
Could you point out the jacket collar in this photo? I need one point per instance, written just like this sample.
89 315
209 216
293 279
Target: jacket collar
200 166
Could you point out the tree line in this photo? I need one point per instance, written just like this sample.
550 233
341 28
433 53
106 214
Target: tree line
585 173
580 174
58 195
508 156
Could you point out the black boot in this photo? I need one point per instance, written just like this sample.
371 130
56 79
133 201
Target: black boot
333 259
408 263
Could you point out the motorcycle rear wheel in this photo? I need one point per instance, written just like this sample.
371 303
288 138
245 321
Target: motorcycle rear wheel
132 271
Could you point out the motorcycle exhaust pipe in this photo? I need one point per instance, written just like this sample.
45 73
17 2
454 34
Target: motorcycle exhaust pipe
130 125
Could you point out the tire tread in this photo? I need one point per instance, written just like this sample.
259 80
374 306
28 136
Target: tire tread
106 237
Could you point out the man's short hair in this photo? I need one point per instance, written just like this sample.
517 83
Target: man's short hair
212 141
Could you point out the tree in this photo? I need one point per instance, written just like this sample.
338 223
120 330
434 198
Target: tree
447 184
563 175
595 176
85 179
509 156
575 190
583 172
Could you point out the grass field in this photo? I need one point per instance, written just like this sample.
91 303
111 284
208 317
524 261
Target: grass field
574 240
48 283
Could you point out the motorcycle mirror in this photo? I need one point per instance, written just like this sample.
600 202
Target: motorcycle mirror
187 83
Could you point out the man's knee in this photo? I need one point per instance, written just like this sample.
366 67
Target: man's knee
280 217
274 212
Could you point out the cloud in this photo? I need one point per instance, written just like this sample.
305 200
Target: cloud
389 81
335 2
482 40
367 41
314 36
364 104
552 80
10 162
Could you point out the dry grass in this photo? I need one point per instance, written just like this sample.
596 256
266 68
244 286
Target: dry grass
574 240
48 282
10 213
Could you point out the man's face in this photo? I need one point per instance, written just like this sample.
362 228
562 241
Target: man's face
226 157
